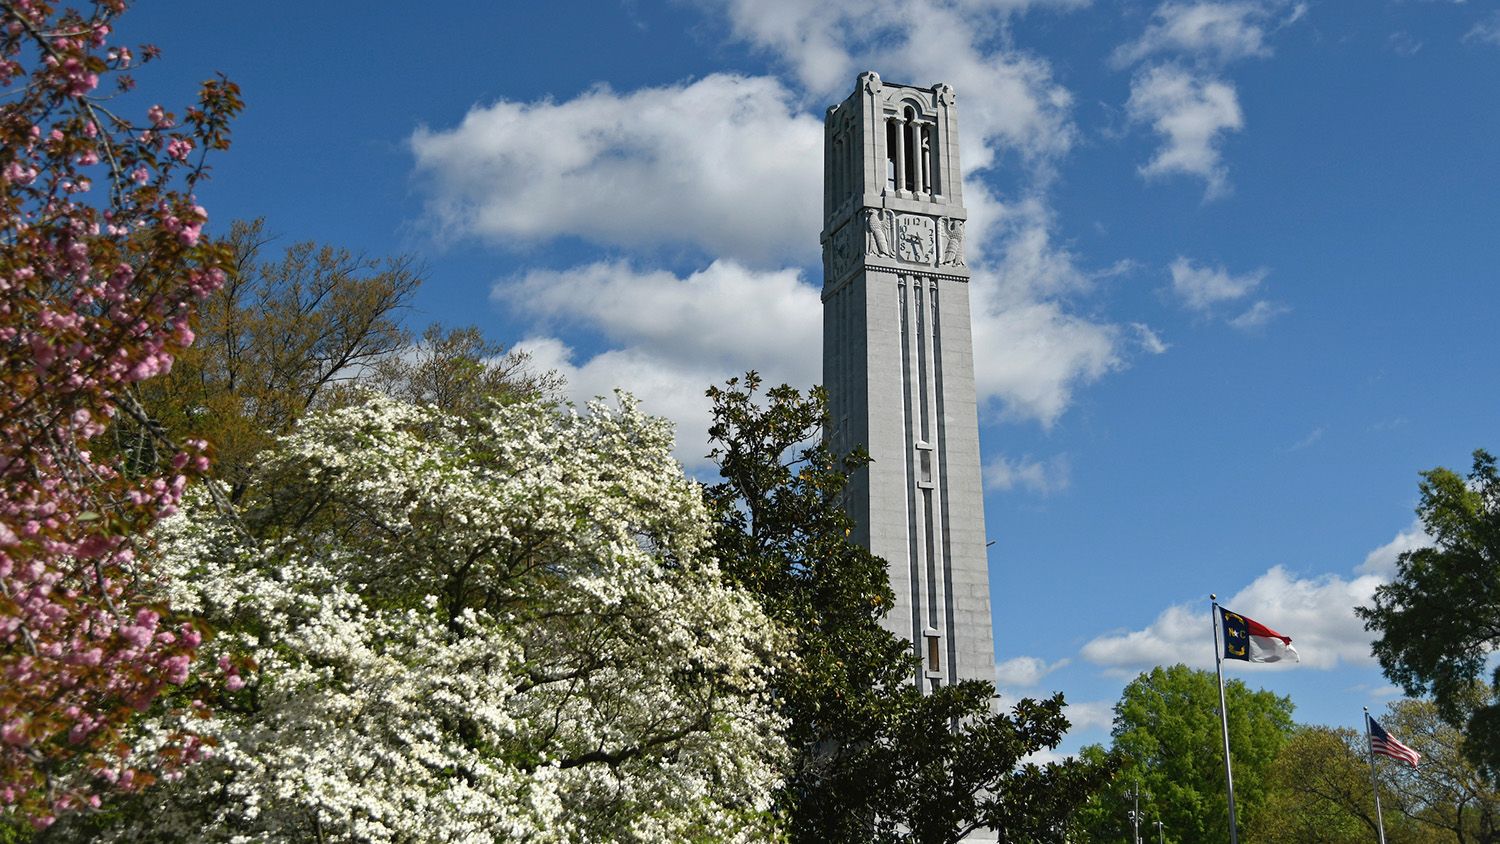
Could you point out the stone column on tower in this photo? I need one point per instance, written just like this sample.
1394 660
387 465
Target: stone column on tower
898 364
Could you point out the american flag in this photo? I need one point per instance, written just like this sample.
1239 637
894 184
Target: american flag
1386 745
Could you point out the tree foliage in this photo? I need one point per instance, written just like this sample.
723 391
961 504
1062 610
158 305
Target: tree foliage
1168 737
459 371
1446 793
440 629
1321 792
101 264
873 759
271 341
1438 622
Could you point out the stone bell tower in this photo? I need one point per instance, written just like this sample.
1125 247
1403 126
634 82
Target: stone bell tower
898 364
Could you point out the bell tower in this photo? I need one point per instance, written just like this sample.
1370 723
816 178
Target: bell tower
898 364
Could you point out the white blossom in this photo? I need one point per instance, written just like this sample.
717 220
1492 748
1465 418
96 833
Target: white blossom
469 631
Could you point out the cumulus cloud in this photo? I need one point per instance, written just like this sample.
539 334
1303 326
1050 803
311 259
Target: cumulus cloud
1220 32
1382 561
826 43
1031 351
1317 612
724 164
1024 672
667 338
1042 477
731 166
1191 114
1032 356
726 313
1202 287
1180 94
667 387
1091 714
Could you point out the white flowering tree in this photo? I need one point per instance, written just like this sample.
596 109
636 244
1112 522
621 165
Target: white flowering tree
433 629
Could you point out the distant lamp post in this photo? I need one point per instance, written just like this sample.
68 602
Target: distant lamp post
1159 838
1135 814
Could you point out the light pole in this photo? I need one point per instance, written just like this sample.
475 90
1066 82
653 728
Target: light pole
1135 814
1159 838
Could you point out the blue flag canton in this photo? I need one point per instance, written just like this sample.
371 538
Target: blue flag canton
1236 635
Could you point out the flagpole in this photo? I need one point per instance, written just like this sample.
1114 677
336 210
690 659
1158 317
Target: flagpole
1234 836
1374 780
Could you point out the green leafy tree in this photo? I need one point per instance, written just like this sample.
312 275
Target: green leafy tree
1168 737
1439 620
271 341
1445 793
872 757
458 371
1320 792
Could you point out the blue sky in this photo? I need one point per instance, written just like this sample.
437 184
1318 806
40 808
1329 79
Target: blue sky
1234 262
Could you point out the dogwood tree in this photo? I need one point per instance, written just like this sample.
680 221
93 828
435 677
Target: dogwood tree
101 261
433 628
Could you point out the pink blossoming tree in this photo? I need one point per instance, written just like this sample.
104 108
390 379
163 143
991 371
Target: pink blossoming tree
101 262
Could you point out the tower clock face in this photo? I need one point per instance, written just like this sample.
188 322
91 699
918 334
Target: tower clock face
915 239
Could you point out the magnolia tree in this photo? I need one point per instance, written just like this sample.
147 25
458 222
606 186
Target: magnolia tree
437 629
100 263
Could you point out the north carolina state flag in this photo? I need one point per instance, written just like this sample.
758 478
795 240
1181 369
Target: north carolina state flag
1248 639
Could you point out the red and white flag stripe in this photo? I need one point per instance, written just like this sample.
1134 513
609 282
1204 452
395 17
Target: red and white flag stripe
1385 744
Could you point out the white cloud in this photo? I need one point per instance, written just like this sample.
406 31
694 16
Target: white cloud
1312 437
1031 353
725 314
1008 98
1203 287
1404 44
1024 672
1090 715
1486 31
1317 612
1179 96
669 338
731 166
1148 339
1191 114
1258 315
1382 561
1219 31
1031 356
1042 477
723 163
669 388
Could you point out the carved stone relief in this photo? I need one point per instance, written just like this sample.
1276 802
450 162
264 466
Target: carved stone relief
878 229
953 247
916 239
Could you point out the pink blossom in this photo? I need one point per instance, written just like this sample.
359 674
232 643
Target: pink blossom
19 173
14 733
175 669
179 148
